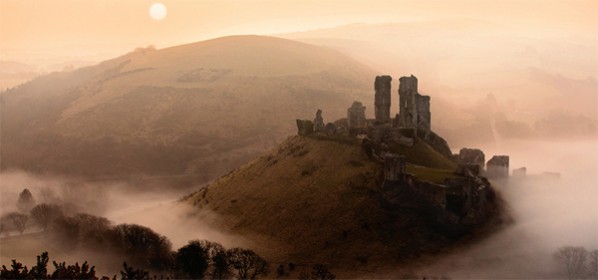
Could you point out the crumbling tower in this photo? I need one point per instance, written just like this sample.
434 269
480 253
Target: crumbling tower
382 98
414 109
423 111
407 102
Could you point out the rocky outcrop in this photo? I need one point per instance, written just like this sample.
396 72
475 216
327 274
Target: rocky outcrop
498 167
382 98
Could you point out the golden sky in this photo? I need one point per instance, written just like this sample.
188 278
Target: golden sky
120 25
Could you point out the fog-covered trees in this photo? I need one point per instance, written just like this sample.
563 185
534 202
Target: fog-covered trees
141 244
135 244
246 263
45 214
19 220
82 230
593 264
573 259
25 202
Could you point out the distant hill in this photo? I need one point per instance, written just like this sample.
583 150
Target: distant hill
319 200
189 112
543 85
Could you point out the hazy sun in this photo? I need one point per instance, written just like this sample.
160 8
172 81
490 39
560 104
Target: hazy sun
157 11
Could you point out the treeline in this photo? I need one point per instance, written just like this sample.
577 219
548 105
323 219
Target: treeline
141 249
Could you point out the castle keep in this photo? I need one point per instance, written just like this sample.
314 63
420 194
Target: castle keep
414 108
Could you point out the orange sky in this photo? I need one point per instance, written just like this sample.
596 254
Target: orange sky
113 27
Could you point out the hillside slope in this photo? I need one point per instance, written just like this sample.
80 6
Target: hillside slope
194 110
318 200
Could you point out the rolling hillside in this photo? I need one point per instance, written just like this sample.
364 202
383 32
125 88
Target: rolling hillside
187 113
318 200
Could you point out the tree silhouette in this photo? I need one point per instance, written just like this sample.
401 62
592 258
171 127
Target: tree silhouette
192 260
40 270
129 273
574 259
63 271
25 202
17 271
593 264
46 214
246 263
143 245
19 220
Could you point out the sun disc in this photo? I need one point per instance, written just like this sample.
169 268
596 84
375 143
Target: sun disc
157 11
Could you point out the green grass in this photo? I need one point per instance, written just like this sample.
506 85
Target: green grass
433 175
422 154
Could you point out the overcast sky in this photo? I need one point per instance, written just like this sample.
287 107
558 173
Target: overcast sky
117 26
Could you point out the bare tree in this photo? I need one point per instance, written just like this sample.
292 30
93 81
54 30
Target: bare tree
19 220
46 214
247 263
574 260
593 264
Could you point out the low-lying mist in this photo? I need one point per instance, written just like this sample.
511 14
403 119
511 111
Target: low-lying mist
121 203
549 212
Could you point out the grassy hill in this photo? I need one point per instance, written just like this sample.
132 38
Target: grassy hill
189 112
318 200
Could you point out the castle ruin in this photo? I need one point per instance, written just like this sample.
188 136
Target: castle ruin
414 108
459 199
382 98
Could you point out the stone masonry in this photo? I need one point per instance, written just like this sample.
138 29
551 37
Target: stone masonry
356 116
382 98
498 167
414 110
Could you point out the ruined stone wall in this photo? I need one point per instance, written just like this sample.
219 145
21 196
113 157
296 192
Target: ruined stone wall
382 98
407 102
423 112
394 167
498 167
356 118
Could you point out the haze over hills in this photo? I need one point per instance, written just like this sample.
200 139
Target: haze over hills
496 79
197 109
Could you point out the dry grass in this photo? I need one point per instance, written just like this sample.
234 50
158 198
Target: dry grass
202 108
317 200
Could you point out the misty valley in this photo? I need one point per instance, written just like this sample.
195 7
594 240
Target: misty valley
437 148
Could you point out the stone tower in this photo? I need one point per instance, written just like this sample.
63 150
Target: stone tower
423 111
382 98
414 109
356 115
407 102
